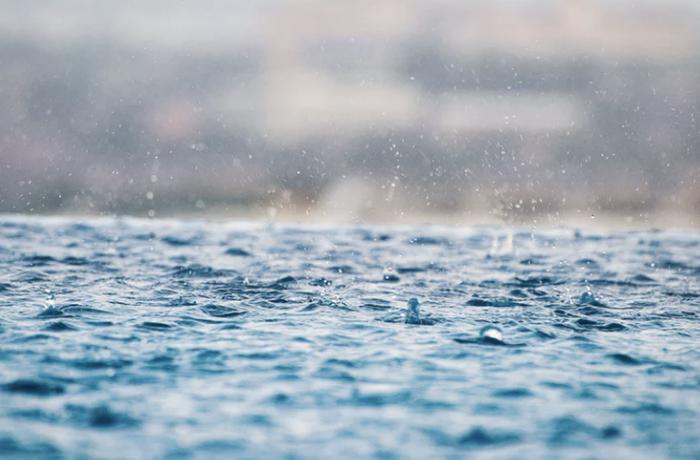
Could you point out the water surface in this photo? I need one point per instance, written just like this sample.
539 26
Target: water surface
134 338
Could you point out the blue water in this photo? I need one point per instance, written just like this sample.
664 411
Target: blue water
150 339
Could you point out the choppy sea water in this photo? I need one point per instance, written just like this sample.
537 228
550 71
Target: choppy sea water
151 339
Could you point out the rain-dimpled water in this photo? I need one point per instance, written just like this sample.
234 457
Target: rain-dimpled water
126 338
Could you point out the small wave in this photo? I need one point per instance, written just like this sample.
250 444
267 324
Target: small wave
33 387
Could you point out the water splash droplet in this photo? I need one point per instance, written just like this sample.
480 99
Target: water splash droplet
389 274
586 298
413 311
491 332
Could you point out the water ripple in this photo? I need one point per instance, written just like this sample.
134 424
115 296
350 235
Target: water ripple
194 339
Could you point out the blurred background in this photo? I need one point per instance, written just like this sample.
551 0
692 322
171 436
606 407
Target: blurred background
441 111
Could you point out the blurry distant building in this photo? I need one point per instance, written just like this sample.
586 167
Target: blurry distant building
440 109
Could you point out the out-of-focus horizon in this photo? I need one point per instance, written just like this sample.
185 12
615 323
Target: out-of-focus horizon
548 112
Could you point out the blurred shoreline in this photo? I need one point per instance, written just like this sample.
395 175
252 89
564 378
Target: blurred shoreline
376 111
611 221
